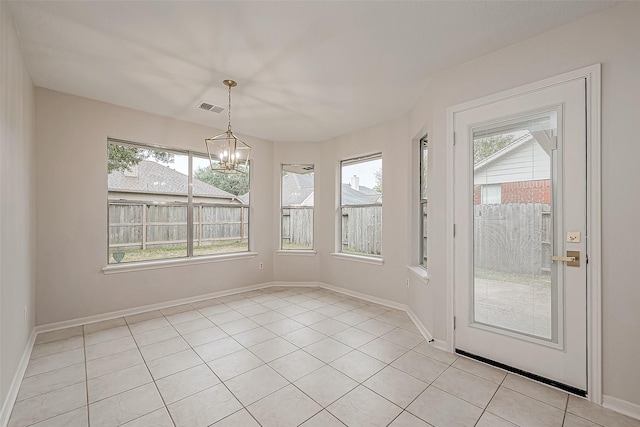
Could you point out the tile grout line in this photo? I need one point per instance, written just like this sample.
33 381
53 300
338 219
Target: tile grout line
345 306
152 378
86 374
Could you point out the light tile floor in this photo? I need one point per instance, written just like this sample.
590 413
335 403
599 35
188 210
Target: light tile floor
276 357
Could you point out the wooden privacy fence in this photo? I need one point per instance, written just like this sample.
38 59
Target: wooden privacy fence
362 229
148 225
513 238
297 225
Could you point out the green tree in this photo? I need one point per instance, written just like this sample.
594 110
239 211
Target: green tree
485 147
377 175
237 184
122 157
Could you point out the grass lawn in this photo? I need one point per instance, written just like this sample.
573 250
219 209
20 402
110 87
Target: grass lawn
295 246
541 279
132 255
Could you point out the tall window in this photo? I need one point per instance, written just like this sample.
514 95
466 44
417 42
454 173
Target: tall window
169 204
361 205
424 157
297 194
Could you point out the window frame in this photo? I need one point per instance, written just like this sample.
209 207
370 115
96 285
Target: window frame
339 246
423 205
283 207
190 256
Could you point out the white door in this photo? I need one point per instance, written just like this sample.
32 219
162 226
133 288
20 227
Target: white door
519 201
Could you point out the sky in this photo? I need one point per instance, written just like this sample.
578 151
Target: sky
364 170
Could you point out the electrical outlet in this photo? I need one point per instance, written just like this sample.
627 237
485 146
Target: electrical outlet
407 282
261 266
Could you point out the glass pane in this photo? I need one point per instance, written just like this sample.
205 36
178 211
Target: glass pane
423 209
147 203
515 287
361 199
424 161
220 210
297 206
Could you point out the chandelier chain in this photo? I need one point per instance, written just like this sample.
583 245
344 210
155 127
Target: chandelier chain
229 126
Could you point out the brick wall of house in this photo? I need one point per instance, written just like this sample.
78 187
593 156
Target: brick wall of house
520 192
527 192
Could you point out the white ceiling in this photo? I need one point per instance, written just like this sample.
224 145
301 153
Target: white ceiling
307 71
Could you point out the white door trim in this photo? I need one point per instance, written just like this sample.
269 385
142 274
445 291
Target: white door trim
594 272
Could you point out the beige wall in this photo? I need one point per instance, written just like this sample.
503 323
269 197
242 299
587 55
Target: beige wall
71 157
17 204
612 38
382 281
72 211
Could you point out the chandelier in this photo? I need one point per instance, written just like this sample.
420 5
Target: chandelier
227 153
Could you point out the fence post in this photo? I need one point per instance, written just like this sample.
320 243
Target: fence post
241 223
144 226
200 225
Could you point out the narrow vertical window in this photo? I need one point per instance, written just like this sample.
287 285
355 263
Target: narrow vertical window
361 205
424 161
296 207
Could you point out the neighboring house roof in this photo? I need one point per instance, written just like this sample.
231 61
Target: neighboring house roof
502 153
296 189
153 177
526 159
362 196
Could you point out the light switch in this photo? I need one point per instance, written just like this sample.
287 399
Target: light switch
573 236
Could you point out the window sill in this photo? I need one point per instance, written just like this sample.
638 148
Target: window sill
358 258
298 252
420 273
167 263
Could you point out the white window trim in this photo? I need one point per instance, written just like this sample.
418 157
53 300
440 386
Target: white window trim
174 262
313 225
419 272
374 259
424 140
296 252
170 262
366 259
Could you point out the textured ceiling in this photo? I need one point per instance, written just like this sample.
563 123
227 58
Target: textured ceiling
307 71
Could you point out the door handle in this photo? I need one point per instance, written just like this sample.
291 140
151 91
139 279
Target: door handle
572 259
563 258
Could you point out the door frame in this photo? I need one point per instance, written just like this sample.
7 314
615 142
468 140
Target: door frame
591 74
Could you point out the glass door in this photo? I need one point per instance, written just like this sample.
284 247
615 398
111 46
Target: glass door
520 223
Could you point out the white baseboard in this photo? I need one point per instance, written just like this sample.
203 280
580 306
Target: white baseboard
441 345
130 311
622 406
423 330
12 394
294 284
365 297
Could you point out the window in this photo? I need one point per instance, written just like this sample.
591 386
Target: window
296 207
424 157
491 194
361 205
169 204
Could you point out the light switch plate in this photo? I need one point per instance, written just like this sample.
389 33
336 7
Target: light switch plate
573 236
